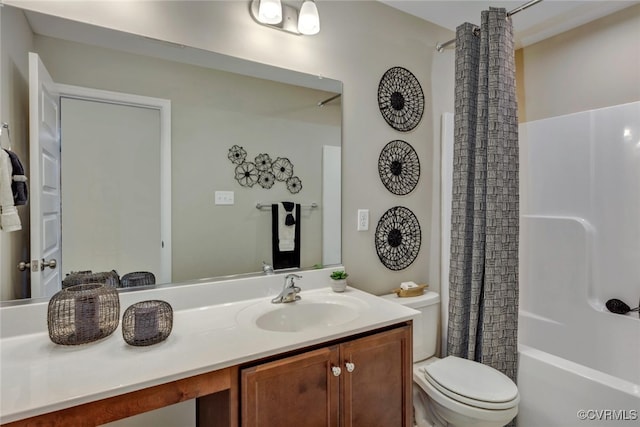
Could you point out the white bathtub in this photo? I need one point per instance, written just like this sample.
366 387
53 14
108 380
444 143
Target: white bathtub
589 361
557 392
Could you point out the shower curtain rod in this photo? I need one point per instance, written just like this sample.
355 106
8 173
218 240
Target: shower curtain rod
326 101
440 46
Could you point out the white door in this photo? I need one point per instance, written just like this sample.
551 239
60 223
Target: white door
44 153
116 182
111 187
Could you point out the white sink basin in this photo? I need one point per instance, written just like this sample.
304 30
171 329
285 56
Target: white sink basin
316 310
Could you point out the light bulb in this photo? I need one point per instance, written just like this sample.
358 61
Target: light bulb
309 21
270 11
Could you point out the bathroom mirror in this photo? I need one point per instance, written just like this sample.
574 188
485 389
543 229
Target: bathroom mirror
217 102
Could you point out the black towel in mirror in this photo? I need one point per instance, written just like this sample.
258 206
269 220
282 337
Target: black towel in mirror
288 259
19 180
289 219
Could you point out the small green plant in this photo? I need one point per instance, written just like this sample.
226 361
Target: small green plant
339 275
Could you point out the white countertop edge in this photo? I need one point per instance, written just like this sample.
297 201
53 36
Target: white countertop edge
293 341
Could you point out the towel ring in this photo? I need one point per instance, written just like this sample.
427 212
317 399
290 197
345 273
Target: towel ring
5 125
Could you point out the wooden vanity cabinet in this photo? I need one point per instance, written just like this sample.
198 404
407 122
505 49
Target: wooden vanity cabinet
364 382
358 382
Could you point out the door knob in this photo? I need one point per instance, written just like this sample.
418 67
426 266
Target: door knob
350 366
336 371
22 266
51 264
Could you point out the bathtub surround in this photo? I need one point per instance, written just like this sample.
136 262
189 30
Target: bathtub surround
483 306
580 176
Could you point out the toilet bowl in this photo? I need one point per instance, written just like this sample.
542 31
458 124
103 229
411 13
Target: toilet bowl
453 391
475 395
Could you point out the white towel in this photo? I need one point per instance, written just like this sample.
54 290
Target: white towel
286 233
408 285
9 219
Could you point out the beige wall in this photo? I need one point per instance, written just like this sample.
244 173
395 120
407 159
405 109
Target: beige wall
14 110
359 41
593 66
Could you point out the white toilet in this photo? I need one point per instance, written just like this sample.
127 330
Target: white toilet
453 391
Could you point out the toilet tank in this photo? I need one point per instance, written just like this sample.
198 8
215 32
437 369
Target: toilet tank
425 325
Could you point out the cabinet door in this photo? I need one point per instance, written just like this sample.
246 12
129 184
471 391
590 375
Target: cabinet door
377 391
299 391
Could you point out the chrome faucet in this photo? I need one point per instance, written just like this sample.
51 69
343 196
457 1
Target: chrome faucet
266 268
289 291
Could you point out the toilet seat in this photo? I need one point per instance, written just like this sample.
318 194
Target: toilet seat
472 383
454 410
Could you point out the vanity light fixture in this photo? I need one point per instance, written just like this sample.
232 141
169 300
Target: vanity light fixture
309 20
270 12
283 16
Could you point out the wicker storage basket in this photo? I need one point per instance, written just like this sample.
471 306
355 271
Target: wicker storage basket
137 278
147 322
83 313
110 278
411 292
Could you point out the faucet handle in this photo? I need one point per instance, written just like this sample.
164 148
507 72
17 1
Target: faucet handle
288 279
266 268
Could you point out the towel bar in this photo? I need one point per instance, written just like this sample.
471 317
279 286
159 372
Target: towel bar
268 205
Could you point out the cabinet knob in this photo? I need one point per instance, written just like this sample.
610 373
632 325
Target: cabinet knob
350 366
336 371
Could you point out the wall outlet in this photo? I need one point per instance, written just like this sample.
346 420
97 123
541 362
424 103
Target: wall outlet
363 219
224 198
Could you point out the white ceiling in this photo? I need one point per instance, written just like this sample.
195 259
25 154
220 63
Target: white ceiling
540 21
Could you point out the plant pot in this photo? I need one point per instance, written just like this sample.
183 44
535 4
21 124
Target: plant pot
338 285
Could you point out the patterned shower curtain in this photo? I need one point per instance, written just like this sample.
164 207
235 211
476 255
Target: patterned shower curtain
483 294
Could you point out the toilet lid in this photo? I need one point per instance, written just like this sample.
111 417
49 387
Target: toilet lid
471 382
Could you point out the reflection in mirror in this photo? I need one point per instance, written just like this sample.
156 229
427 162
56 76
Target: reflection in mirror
110 188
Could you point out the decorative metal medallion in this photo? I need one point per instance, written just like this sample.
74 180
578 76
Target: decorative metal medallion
400 99
282 168
398 238
294 185
263 162
263 170
246 174
399 167
237 154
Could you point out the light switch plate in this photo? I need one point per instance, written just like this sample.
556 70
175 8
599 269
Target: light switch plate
363 219
224 198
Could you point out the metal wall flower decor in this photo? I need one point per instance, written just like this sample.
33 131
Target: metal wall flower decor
398 238
263 170
399 167
400 99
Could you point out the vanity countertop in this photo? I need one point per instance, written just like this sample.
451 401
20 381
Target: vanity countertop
38 376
